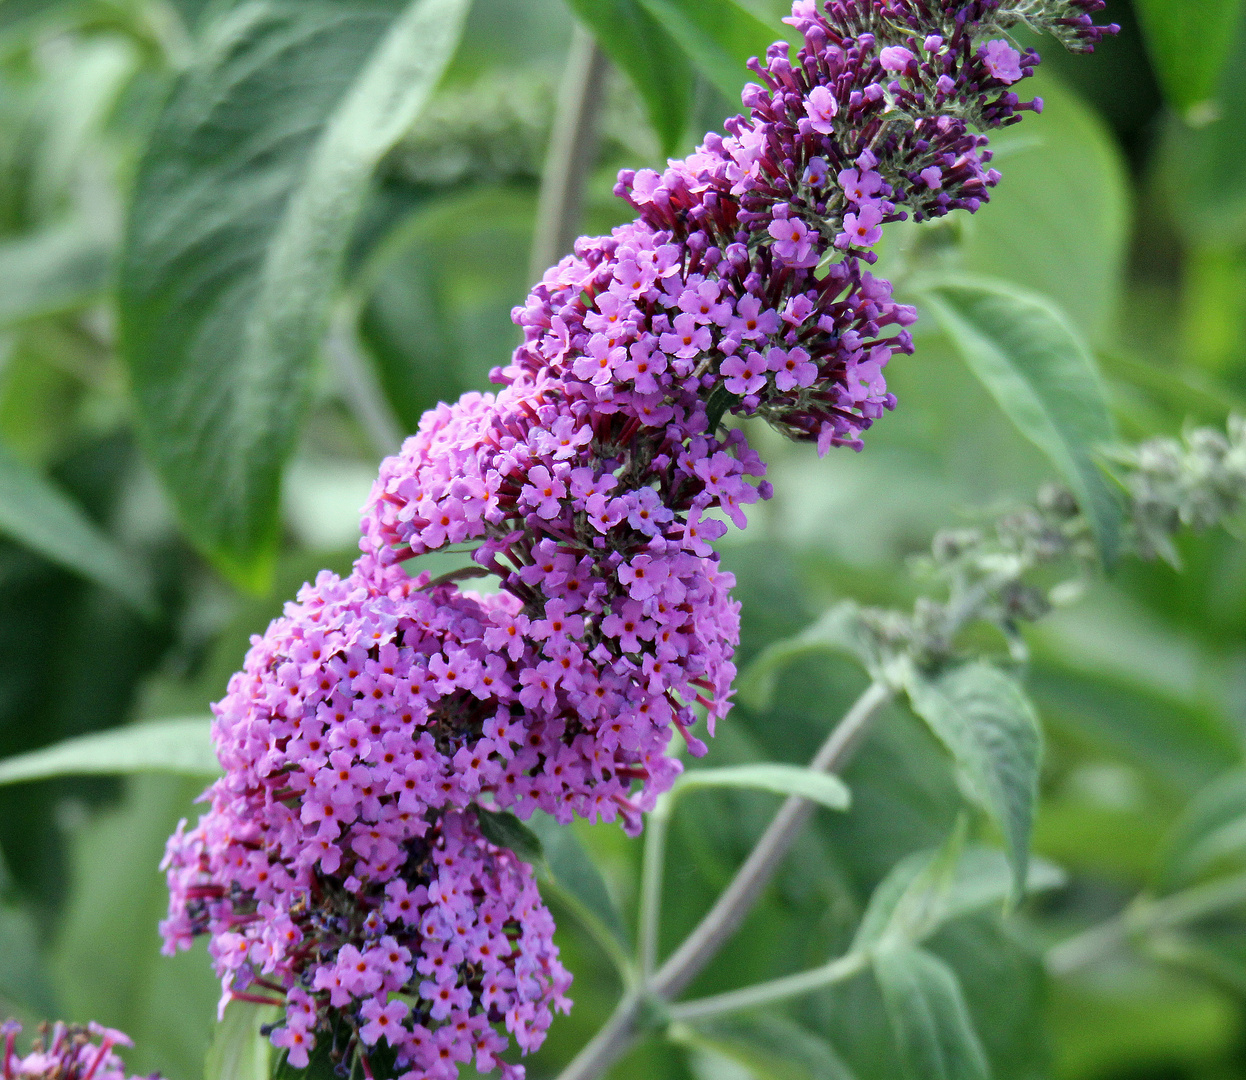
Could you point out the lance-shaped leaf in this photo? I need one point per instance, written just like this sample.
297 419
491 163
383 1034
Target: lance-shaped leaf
243 209
182 747
929 1018
1211 831
770 1047
54 270
991 730
823 788
239 1051
40 517
1044 377
504 829
1190 42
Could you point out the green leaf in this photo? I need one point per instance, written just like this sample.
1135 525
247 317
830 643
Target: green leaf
1189 42
719 35
931 888
506 830
929 1018
23 983
39 517
991 730
243 210
823 788
1212 829
181 747
578 881
1044 378
719 402
239 1051
840 630
58 269
771 1047
650 57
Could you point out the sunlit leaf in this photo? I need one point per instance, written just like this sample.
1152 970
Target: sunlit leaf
1043 376
39 517
992 732
823 788
932 1026
1213 828
182 747
58 269
239 1051
243 210
651 58
719 35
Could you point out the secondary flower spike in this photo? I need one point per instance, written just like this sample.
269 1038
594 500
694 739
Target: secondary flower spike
63 1052
340 868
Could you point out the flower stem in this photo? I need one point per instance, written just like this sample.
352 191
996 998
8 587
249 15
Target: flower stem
572 152
731 908
651 886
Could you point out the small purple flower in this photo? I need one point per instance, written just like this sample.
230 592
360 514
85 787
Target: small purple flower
896 58
1002 61
822 107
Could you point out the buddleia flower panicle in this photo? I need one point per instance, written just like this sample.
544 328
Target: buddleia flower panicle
64 1052
340 868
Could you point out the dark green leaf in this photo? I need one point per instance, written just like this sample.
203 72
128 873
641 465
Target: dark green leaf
650 57
239 1051
22 980
840 630
242 213
1212 829
1190 42
56 270
720 401
719 35
39 517
505 830
772 1047
181 747
823 788
990 728
576 877
932 1026
1045 379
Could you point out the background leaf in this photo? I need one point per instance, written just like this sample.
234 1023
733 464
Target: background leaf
56 269
929 1017
39 517
243 210
183 747
1211 831
239 1051
989 726
822 788
1044 378
1190 42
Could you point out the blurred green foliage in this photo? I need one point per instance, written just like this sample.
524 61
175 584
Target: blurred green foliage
1125 213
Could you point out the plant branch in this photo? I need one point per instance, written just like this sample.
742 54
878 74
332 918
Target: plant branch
651 885
572 153
729 911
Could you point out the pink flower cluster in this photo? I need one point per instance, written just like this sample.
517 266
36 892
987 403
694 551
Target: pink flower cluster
63 1052
341 869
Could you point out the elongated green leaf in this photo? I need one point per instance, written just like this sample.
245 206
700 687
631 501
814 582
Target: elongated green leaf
38 516
931 1023
1044 378
650 57
1190 42
830 791
182 747
55 270
22 980
577 878
719 35
242 212
1212 829
924 891
506 830
772 1047
239 1051
991 730
840 630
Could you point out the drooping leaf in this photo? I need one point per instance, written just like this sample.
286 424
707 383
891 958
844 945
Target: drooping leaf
927 890
239 1051
576 877
242 213
840 630
1044 378
931 1023
1213 828
992 732
650 57
57 269
772 1047
181 747
822 788
503 828
1190 42
719 35
39 517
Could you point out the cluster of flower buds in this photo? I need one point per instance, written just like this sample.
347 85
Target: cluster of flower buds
341 868
63 1052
